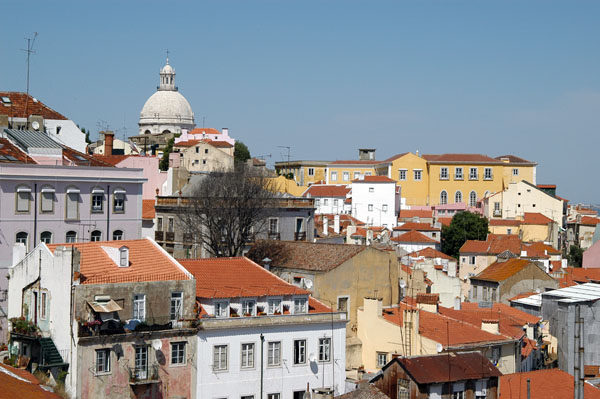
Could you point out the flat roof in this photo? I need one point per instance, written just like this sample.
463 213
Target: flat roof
576 293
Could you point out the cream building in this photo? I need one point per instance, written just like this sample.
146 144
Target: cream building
202 156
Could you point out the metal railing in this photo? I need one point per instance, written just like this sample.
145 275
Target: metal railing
143 375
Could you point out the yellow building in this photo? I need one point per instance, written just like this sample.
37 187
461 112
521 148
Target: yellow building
410 171
342 172
515 169
305 172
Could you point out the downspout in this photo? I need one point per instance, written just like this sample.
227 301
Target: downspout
107 212
35 214
262 341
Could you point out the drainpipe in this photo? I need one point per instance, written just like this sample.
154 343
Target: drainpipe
528 388
35 215
576 370
107 213
262 341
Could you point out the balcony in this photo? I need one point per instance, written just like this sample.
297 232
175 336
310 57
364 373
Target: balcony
170 236
300 236
459 177
143 375
274 236
488 177
159 236
498 213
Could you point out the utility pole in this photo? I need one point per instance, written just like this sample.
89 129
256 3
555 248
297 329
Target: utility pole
29 51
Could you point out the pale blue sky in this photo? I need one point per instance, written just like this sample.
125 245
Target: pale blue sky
328 77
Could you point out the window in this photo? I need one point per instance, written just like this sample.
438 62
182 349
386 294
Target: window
342 305
418 174
178 353
473 174
458 390
493 295
222 309
141 362
473 199
247 397
458 173
44 296
487 174
300 305
97 202
46 237
274 396
96 236
71 237
206 150
346 176
471 260
176 308
197 150
401 174
384 208
274 306
170 225
119 201
21 237
102 361
72 209
273 226
481 389
324 349
403 388
370 207
458 197
335 202
311 171
317 202
485 294
356 175
326 202
371 189
248 308
300 351
139 306
381 359
23 199
123 256
515 172
47 200
333 176
444 173
247 356
274 353
220 357
118 235
159 223
443 198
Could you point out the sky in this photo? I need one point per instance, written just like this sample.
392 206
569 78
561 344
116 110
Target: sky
328 77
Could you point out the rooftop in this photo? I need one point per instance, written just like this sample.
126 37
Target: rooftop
500 271
544 384
430 253
11 153
416 226
374 179
16 106
148 210
410 213
575 294
460 158
413 236
536 218
495 244
515 159
327 190
17 383
317 256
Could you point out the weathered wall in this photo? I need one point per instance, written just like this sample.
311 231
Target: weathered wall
527 280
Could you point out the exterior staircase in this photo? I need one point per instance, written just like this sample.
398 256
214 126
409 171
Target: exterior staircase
50 355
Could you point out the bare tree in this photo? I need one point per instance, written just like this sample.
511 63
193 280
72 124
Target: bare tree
226 210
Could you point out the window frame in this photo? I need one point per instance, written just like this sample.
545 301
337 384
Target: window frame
459 173
444 197
92 236
74 238
222 349
379 363
73 196
244 307
418 174
279 308
43 304
324 343
299 352
135 307
93 198
345 176
472 202
486 175
105 353
458 194
122 235
224 311
25 190
304 308
179 348
334 175
250 356
271 220
43 239
311 171
444 174
473 173
515 171
19 240
49 190
402 174
176 296
119 195
271 360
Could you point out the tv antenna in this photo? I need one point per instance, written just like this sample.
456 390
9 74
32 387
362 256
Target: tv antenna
29 51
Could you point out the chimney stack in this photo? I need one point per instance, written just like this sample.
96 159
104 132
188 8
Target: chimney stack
108 142
325 225
491 325
336 224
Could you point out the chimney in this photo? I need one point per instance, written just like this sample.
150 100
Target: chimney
523 253
373 306
451 268
417 153
490 325
428 302
225 131
457 303
108 142
325 225
336 224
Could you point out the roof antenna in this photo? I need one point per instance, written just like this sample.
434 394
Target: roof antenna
29 51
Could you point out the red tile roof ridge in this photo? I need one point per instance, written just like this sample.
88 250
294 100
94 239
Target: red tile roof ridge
394 157
18 100
428 252
413 236
374 179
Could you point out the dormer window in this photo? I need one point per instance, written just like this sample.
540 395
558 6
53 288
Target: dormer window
123 256
222 309
274 306
300 305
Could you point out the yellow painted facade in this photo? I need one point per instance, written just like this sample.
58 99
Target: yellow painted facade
345 173
513 173
305 172
504 229
410 171
283 185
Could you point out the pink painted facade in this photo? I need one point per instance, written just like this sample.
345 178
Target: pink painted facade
206 133
155 178
591 257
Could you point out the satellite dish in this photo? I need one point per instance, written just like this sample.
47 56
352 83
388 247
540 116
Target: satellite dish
402 284
156 344
308 283
312 358
35 125
439 348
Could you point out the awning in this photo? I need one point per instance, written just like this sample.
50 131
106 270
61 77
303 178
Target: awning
73 191
120 192
98 191
23 190
105 307
48 190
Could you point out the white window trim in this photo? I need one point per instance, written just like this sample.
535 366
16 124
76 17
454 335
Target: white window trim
242 367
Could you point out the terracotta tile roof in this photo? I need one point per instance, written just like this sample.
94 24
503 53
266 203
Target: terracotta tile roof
317 256
430 253
416 226
236 278
113 159
589 221
494 245
327 190
8 151
80 159
445 221
504 222
147 262
207 130
521 296
148 211
429 299
460 158
539 248
366 391
393 158
500 271
546 185
355 162
544 384
452 367
374 179
514 159
536 218
410 213
527 347
34 106
18 383
413 236
577 275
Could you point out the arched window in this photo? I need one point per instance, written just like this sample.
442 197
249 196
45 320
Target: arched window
147 132
443 197
473 199
458 197
46 237
486 194
23 198
22 238
71 236
96 236
118 235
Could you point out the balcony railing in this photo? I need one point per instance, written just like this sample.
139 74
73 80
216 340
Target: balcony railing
497 213
300 236
143 375
170 236
159 235
459 176
274 236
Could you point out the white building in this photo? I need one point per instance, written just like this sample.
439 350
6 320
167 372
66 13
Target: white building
376 201
331 199
260 332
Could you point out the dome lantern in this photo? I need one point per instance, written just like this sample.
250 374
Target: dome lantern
167 77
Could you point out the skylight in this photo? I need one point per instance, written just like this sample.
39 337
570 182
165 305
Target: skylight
6 100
